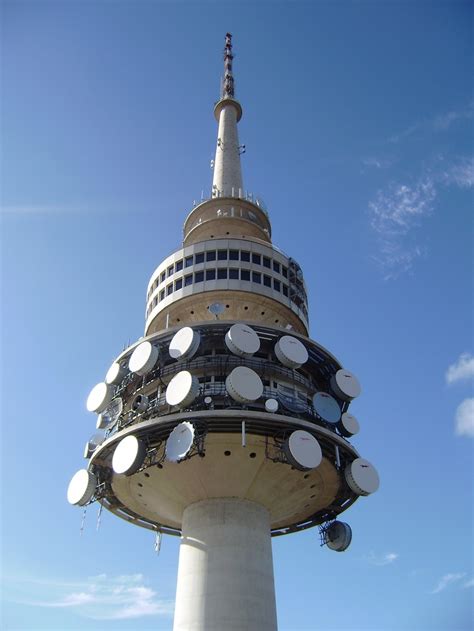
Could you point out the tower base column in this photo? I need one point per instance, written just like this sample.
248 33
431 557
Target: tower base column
225 573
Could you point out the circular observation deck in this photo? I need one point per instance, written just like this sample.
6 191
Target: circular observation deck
219 465
253 280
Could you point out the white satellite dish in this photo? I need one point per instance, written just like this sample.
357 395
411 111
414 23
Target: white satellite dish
81 488
140 403
302 450
216 309
99 397
345 385
128 455
115 374
143 358
184 343
348 425
241 340
244 385
208 400
179 442
326 407
110 415
271 405
362 477
291 352
182 389
338 536
92 444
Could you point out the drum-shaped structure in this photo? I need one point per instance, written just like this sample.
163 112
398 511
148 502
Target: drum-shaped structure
226 423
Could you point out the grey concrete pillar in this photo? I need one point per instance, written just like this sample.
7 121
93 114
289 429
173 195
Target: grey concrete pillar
225 574
227 169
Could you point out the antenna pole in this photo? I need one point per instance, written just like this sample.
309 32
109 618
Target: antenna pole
228 83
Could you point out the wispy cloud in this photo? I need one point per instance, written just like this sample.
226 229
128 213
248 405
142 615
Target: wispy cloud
464 420
377 163
461 370
106 597
461 173
438 123
468 584
395 213
384 559
447 580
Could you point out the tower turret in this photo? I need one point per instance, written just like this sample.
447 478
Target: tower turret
226 424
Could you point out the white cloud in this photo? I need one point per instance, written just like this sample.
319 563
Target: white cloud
377 163
446 580
384 559
461 173
469 583
438 123
464 421
462 369
395 213
106 597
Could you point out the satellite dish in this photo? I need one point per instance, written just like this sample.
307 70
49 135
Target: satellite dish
99 397
303 450
143 358
291 352
128 455
241 340
338 536
81 488
208 400
244 385
362 477
216 309
115 374
140 403
326 407
184 343
110 415
92 444
182 389
345 385
271 405
179 442
348 425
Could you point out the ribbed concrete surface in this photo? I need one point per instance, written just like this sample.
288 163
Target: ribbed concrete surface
225 574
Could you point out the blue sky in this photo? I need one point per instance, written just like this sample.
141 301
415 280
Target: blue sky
358 126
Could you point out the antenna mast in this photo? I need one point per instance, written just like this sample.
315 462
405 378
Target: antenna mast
228 83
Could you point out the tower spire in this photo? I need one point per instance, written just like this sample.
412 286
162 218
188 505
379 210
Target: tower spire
227 180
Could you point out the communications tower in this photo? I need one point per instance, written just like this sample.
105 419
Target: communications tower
226 424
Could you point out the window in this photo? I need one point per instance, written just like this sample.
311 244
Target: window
169 289
252 216
178 284
234 273
276 285
162 277
162 294
222 255
244 274
170 270
257 259
221 273
267 281
211 256
284 271
245 256
210 274
155 302
256 277
179 265
199 277
199 258
266 262
276 267
285 290
234 255
188 280
188 261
